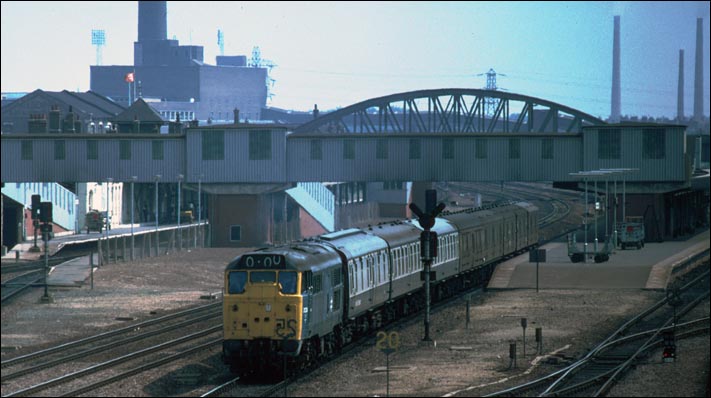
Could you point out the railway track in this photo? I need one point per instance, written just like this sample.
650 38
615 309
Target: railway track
31 274
554 204
595 373
115 355
16 285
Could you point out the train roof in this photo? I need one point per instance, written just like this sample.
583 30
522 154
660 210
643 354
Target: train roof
396 233
354 242
441 226
483 215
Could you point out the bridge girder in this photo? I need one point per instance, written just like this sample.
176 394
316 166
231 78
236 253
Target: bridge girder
452 110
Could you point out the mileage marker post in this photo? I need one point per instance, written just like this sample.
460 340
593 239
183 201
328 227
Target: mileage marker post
428 245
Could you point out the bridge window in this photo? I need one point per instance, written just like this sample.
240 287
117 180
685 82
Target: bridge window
653 141
415 151
260 145
26 150
447 148
92 150
481 148
609 143
59 150
235 233
213 145
316 153
381 149
157 149
547 148
125 150
349 149
514 148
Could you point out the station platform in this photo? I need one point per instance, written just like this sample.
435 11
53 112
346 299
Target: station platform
647 268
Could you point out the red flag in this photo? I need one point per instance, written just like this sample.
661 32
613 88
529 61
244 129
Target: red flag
129 77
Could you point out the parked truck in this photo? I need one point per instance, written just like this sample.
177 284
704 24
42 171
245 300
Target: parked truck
631 233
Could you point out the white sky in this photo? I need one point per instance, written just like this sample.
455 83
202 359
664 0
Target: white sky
337 54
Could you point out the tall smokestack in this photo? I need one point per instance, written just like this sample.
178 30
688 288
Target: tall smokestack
616 98
699 73
680 90
152 20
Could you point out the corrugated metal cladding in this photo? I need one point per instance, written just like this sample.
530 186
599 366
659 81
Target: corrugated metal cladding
236 165
671 166
442 158
106 161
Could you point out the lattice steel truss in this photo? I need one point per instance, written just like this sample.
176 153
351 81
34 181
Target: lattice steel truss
451 111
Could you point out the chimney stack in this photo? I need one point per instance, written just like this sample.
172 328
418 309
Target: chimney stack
54 122
616 97
680 90
699 73
152 20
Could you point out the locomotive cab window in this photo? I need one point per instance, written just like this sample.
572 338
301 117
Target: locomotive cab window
287 282
237 281
262 277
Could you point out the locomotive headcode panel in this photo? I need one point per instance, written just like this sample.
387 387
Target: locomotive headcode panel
269 261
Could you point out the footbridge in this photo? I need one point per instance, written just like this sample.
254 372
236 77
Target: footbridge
427 135
419 136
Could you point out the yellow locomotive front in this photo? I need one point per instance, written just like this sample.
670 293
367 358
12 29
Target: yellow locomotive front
262 310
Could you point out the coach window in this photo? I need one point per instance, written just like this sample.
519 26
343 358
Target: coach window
287 282
237 282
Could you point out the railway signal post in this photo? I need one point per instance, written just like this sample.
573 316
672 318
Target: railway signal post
45 216
428 245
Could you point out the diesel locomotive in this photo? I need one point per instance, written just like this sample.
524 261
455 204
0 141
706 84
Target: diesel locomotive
304 301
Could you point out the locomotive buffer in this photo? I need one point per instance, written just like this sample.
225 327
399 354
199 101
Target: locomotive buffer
428 245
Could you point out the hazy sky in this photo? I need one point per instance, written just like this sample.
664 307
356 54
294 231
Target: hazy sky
337 54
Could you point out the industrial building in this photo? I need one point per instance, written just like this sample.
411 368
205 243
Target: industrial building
176 80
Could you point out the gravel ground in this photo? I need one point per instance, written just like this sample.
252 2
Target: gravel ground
475 362
572 320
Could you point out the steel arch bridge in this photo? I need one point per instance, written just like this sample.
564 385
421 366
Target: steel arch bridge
452 110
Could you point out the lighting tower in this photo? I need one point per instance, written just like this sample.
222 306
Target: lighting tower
98 39
221 41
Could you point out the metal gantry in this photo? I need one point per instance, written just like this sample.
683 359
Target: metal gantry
454 110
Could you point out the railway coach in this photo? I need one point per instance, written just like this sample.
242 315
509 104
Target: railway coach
308 299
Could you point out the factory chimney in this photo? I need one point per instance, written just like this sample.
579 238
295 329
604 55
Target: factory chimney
680 90
152 20
699 73
616 98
